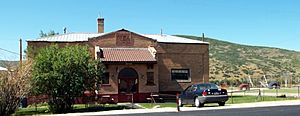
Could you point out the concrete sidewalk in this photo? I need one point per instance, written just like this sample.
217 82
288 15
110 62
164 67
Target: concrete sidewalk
216 107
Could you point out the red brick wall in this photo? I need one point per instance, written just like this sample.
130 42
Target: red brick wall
169 55
110 41
141 69
178 56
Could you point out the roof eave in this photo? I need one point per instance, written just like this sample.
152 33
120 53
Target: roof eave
128 62
183 43
54 41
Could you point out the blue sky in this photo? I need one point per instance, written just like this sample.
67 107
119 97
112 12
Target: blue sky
273 23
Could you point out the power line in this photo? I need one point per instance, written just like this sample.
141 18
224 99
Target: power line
9 51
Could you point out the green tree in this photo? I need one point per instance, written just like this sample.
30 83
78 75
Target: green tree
32 51
64 74
50 33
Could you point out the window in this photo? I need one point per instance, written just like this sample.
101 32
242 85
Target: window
105 79
100 53
207 86
150 66
180 74
150 78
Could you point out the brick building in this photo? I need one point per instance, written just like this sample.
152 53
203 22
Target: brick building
139 64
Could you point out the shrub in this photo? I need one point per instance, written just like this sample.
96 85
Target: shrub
13 86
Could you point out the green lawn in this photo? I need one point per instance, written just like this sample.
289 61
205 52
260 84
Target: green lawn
232 100
42 109
32 111
162 105
250 99
282 90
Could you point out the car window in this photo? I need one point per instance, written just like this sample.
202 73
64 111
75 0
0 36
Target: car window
188 89
213 86
193 88
207 86
202 86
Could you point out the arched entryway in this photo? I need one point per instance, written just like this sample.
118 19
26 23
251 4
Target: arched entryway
128 85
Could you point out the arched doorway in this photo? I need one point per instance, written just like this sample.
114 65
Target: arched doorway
128 84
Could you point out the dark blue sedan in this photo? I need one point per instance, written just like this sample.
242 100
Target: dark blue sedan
199 94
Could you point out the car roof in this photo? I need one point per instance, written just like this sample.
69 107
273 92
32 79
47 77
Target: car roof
204 84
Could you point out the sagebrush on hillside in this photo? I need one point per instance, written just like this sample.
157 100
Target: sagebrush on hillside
234 63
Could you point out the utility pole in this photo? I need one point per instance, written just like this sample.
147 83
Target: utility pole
285 75
21 56
203 80
202 36
250 80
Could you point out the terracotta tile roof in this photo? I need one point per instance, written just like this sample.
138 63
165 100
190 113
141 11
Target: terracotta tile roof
127 55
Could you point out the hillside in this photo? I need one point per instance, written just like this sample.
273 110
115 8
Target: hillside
5 63
233 62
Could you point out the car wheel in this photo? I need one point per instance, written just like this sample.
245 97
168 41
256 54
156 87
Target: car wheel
244 88
274 87
180 102
197 103
221 103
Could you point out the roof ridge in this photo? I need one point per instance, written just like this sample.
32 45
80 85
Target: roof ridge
83 33
68 34
154 34
127 48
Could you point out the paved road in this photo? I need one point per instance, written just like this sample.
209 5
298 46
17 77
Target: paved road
278 108
262 111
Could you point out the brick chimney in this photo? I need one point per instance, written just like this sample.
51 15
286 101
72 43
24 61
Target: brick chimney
100 22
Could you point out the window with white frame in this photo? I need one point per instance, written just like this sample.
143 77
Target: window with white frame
180 74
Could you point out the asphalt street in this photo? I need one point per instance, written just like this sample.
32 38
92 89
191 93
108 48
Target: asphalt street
259 111
271 108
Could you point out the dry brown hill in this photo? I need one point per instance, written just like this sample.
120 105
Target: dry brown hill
233 62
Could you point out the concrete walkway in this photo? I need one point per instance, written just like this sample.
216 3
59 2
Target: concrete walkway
228 106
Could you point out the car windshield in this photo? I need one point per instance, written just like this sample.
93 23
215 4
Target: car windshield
207 86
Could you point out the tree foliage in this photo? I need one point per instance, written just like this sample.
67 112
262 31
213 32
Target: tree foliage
50 33
63 74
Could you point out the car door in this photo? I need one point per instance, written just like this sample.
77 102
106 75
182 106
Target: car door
184 95
191 94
